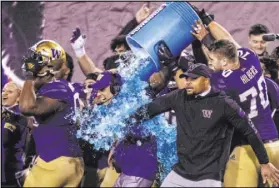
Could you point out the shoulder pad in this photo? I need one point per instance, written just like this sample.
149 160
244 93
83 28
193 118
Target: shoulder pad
58 89
247 50
79 88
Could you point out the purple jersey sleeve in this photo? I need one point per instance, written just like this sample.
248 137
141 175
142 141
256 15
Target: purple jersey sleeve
247 58
273 93
79 88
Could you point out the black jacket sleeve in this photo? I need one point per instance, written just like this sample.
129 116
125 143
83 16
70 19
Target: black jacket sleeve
15 119
162 104
158 106
236 116
129 27
8 134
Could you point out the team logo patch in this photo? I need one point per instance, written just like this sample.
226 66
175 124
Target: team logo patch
207 113
9 126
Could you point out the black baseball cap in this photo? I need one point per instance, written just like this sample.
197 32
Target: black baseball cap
197 70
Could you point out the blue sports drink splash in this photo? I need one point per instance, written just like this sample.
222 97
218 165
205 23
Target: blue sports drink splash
170 23
102 124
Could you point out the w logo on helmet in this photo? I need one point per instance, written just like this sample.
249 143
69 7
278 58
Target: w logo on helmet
30 65
55 53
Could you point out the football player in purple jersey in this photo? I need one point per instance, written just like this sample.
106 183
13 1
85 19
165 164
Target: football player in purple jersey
52 101
239 74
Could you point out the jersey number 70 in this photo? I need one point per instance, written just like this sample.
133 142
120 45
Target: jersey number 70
256 92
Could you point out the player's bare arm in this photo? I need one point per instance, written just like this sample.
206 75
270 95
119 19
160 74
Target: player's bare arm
87 65
219 33
31 105
216 30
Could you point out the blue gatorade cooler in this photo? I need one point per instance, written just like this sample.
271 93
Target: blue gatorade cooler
170 23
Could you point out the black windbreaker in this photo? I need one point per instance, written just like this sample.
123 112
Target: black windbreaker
204 131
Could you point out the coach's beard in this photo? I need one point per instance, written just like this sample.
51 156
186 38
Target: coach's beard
190 91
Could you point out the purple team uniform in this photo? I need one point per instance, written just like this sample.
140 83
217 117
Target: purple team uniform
136 155
56 135
273 95
248 87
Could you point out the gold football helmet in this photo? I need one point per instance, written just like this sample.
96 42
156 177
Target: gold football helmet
52 55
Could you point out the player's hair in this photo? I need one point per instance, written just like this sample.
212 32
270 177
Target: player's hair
258 29
225 48
70 65
92 76
121 39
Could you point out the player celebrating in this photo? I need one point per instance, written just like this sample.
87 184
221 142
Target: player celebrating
240 75
59 163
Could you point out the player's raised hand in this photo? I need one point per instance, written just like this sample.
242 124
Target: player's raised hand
32 65
271 173
199 31
78 42
143 13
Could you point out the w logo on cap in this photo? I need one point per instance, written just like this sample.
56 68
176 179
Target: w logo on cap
207 113
55 53
193 66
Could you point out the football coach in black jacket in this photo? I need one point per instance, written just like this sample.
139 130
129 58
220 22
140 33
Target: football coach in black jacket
206 119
